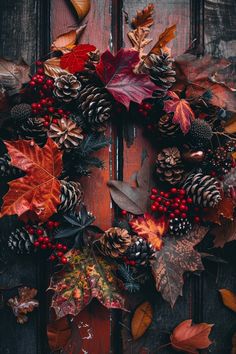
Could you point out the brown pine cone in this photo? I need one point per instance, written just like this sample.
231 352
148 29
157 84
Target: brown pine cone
67 88
169 167
66 133
33 128
166 127
71 196
115 242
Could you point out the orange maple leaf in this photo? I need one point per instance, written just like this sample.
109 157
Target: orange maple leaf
39 191
150 229
189 338
183 114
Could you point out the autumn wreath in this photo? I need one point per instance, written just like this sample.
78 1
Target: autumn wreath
57 121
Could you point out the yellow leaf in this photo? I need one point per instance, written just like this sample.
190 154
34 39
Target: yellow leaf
141 320
229 299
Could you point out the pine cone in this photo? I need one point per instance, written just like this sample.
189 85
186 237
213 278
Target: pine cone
115 242
21 242
71 196
179 226
169 167
166 127
33 128
200 133
94 105
202 189
67 88
66 133
7 170
140 252
20 113
161 72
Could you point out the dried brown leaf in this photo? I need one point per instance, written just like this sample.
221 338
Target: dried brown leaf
52 68
66 41
23 304
143 17
141 320
224 233
163 40
82 7
138 38
228 298
223 210
13 74
230 125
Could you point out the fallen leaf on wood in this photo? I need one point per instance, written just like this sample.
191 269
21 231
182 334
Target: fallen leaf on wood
224 233
141 320
117 73
85 278
58 332
188 337
223 210
228 298
150 229
195 78
39 191
13 74
233 351
81 7
133 199
138 38
23 304
176 257
66 41
163 40
75 60
52 68
183 114
143 17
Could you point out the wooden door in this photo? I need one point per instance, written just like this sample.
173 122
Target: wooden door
26 30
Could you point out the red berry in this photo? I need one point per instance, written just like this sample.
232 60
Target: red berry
152 197
154 191
64 260
31 230
165 209
36 244
60 254
60 111
43 246
46 239
183 215
64 248
173 190
153 207
55 121
176 211
39 63
172 215
162 193
49 82
46 124
196 219
34 105
183 201
41 239
50 224
167 203
39 232
159 199
43 102
177 200
175 205
181 191
40 71
32 83
161 209
52 258
166 195
124 212
56 223
51 109
182 207
59 246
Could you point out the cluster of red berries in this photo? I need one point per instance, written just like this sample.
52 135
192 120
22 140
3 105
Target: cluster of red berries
144 109
173 203
45 242
53 117
40 83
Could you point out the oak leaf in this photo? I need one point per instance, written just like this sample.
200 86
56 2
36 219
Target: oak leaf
85 278
188 337
133 199
150 229
163 40
59 333
224 233
138 38
228 298
223 210
196 78
66 41
183 114
23 304
173 260
117 73
143 17
141 320
75 60
39 191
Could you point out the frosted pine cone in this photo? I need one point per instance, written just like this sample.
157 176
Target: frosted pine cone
67 88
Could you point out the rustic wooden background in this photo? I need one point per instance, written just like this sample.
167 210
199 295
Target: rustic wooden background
26 30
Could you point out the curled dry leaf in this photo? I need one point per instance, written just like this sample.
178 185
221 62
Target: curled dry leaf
141 320
143 17
183 114
163 40
66 41
13 74
23 304
228 298
38 192
223 210
224 233
59 332
52 68
150 229
175 258
188 337
82 7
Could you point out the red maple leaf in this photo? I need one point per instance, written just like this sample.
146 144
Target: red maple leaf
39 191
75 60
116 72
183 114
